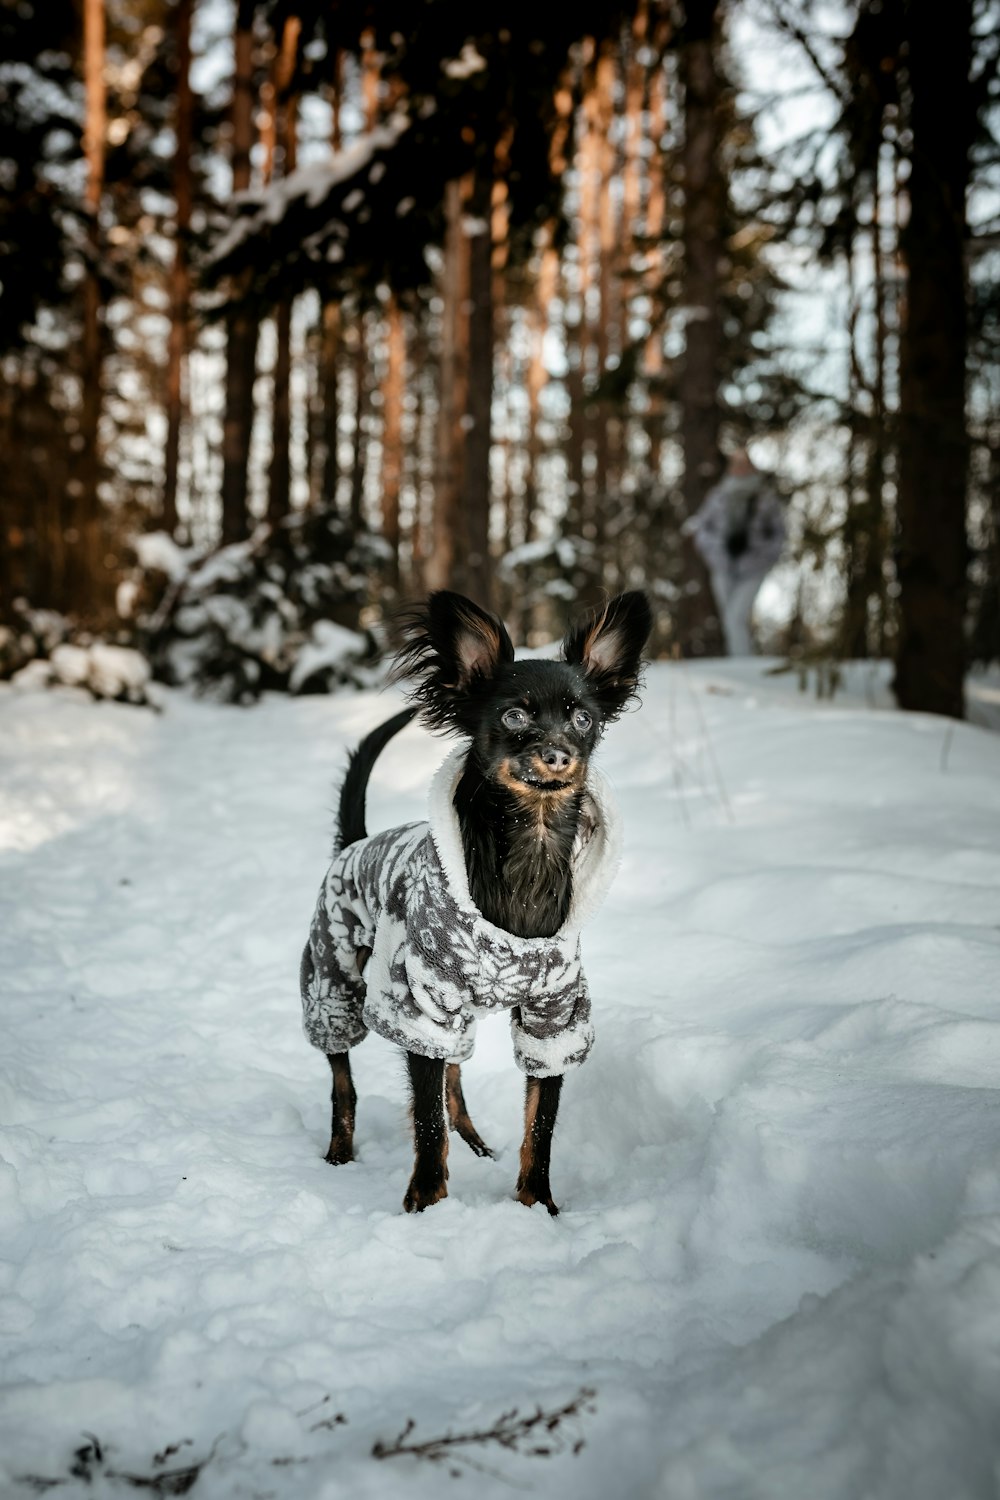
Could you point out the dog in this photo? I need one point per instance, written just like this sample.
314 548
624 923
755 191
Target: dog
419 929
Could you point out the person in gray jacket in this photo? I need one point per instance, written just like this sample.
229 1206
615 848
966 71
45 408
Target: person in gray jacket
740 533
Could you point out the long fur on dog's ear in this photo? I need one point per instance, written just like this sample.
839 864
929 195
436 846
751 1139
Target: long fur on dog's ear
451 650
608 645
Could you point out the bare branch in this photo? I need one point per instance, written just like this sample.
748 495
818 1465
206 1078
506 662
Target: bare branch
537 1435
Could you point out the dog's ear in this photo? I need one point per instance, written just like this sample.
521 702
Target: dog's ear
450 649
608 645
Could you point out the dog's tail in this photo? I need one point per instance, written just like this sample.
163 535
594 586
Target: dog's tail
351 808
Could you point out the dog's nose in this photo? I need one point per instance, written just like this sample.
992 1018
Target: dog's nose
555 759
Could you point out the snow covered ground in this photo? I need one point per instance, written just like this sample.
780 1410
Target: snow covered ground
777 1269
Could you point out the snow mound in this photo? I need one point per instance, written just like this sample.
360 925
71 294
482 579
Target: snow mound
115 672
777 1268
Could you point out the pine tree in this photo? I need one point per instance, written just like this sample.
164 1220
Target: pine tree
932 554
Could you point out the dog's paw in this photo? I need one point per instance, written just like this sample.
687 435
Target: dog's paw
339 1151
470 1135
421 1195
529 1196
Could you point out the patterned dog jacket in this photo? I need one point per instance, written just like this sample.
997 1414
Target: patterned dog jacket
436 962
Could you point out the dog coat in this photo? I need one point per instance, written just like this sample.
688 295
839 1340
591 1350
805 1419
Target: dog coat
436 962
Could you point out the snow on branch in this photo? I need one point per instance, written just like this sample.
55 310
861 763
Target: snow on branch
362 219
314 186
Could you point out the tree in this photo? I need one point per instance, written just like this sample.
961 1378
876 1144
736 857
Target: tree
180 276
704 244
39 148
241 324
932 551
88 587
459 89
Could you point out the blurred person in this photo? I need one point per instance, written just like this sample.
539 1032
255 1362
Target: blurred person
740 533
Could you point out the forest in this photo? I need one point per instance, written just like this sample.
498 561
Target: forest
308 307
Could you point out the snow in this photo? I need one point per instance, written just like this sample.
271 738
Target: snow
329 647
105 670
777 1266
312 184
158 552
468 61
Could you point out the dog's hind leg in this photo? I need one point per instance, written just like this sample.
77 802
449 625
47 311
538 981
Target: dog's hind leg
541 1104
429 1182
344 1100
458 1114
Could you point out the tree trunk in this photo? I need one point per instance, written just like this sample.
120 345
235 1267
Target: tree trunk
656 203
392 436
548 281
360 412
180 280
881 446
476 487
606 332
329 413
704 210
854 628
931 564
280 471
441 561
328 372
284 135
241 350
87 577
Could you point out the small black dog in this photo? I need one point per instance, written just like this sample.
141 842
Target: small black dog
420 928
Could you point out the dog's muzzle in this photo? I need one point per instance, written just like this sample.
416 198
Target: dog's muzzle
550 769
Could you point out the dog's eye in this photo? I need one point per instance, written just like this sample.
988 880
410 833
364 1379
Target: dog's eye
514 718
581 720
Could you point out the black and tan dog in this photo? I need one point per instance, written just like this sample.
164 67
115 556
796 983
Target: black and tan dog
421 929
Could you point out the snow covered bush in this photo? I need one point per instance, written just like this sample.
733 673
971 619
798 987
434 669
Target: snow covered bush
106 671
31 633
41 648
266 613
551 576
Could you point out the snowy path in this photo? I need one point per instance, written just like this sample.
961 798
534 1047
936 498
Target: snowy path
778 1262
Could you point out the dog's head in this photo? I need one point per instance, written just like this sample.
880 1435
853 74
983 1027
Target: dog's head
532 724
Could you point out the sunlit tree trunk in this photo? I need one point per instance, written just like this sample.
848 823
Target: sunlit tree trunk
87 592
932 556
605 416
579 512
656 202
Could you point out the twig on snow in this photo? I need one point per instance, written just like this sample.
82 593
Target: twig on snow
538 1434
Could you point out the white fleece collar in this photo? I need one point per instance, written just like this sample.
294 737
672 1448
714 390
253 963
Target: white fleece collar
596 853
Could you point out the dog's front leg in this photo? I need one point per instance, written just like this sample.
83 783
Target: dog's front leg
429 1182
541 1105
